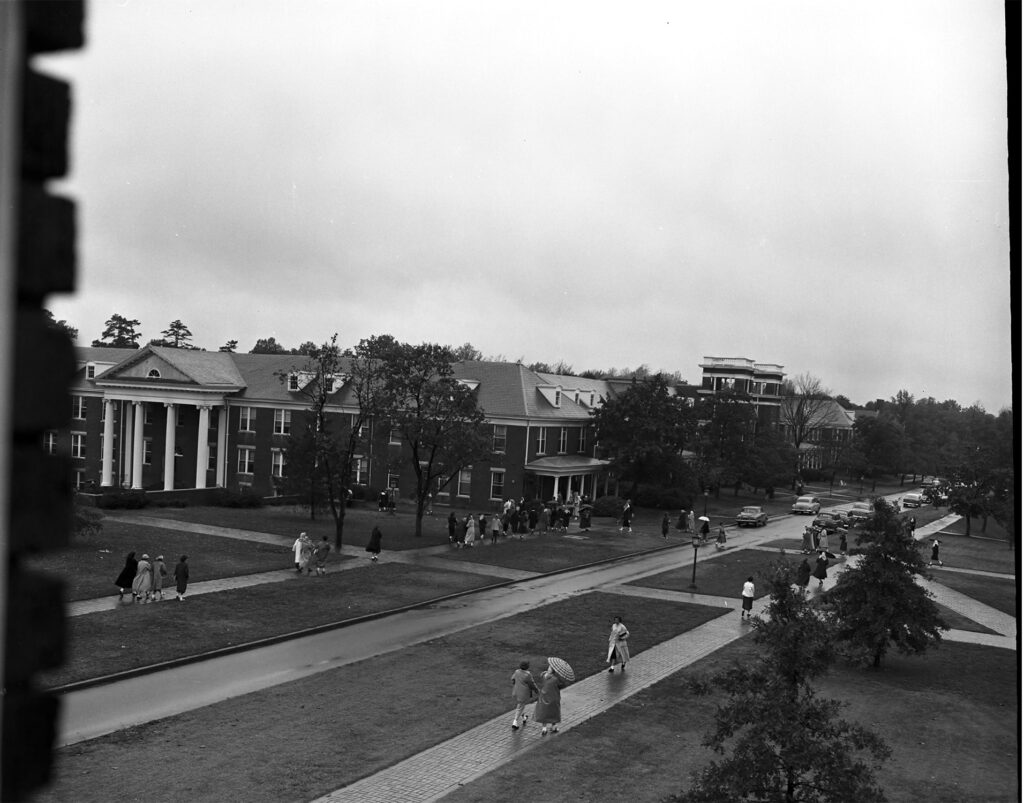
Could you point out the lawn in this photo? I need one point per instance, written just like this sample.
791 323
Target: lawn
302 739
722 575
995 592
954 737
131 636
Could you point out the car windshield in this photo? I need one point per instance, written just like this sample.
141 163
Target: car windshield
751 510
804 499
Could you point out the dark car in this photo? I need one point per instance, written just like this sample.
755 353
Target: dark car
829 522
751 516
861 512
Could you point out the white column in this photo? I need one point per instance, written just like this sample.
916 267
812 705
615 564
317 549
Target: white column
203 445
558 490
169 432
107 477
140 419
222 446
126 446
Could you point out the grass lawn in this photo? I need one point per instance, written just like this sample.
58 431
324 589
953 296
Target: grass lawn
722 575
953 738
90 565
961 552
131 636
995 592
302 739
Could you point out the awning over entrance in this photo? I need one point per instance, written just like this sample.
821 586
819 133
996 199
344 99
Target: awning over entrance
566 466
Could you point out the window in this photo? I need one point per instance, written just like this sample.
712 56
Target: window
277 463
329 384
558 398
147 451
392 481
563 440
147 414
246 419
293 381
179 420
363 428
497 485
542 440
591 399
576 397
79 478
90 371
282 422
246 460
395 436
103 411
465 481
153 373
360 470
50 442
78 407
211 457
583 440
499 438
440 487
78 445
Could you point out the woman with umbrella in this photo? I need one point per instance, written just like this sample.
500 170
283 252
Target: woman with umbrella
705 529
548 711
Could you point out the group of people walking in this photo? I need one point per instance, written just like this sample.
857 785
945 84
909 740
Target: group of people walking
547 693
310 557
144 578
517 519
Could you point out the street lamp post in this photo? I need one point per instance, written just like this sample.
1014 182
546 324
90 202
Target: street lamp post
696 543
705 502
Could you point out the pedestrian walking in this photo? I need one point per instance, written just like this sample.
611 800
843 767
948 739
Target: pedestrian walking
585 513
495 528
720 541
747 596
297 552
453 522
548 711
142 585
912 526
807 547
159 573
803 576
373 547
127 576
305 554
935 552
618 646
705 530
627 517
842 541
531 519
320 553
524 690
664 526
681 524
821 568
471 529
691 522
181 577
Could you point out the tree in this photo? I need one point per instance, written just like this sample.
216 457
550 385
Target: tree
786 743
806 408
467 353
175 336
437 419
644 430
318 459
119 333
726 438
88 521
309 349
268 345
877 603
230 347
61 325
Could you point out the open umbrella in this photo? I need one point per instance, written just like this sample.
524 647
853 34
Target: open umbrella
562 669
703 518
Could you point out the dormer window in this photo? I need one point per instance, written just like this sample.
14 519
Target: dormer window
293 381
329 384
153 373
90 370
576 397
591 399
558 398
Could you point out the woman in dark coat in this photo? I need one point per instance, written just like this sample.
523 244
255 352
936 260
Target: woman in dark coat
803 575
452 524
127 575
374 546
548 711
821 568
181 577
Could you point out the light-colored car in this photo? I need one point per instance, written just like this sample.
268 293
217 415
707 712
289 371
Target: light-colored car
809 505
861 511
751 516
914 500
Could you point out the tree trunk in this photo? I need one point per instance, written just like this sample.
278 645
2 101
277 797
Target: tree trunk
968 520
879 652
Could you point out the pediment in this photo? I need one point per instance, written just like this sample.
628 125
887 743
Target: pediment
150 367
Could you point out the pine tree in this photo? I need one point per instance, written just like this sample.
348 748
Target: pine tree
877 603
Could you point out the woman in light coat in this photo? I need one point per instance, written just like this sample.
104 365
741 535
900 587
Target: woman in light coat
142 585
618 648
548 711
159 573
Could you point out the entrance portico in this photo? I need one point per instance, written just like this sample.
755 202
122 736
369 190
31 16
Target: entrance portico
567 473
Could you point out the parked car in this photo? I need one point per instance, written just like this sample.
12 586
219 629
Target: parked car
810 505
914 500
751 516
829 522
861 511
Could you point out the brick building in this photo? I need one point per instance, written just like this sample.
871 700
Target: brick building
163 419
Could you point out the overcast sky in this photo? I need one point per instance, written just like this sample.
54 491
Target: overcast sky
817 184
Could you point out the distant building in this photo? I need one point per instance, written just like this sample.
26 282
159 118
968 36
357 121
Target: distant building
164 419
827 434
762 382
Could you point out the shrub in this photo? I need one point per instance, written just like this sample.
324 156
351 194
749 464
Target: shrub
125 500
662 498
246 499
88 521
608 506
